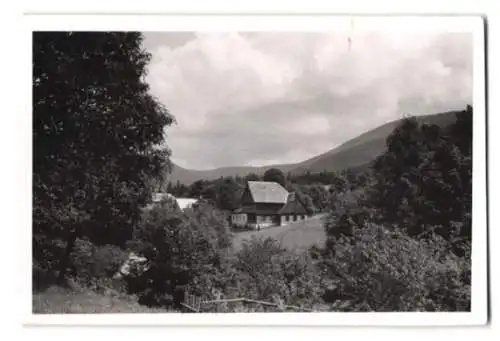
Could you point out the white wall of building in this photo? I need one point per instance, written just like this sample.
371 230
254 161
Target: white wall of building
239 219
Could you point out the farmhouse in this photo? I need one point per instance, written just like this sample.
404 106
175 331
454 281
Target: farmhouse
265 204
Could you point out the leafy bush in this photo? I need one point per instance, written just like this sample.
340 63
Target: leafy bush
347 211
262 270
46 255
402 243
379 269
94 266
425 177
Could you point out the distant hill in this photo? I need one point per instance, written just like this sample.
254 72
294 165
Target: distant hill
364 148
188 176
355 153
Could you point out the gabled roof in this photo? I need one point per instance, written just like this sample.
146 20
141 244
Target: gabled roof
293 207
258 210
267 192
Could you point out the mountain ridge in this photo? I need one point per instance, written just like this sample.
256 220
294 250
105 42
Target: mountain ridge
354 153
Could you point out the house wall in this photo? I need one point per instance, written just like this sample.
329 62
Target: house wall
291 218
287 219
283 220
239 219
251 218
264 221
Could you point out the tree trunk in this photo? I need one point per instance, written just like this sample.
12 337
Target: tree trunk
65 260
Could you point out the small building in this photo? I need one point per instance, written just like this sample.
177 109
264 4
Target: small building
265 204
182 203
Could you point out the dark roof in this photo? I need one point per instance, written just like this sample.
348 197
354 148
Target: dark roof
293 207
260 210
267 192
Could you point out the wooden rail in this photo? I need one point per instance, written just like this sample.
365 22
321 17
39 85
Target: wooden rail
249 300
194 303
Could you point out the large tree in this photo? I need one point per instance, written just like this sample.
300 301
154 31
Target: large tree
275 175
184 250
425 176
98 139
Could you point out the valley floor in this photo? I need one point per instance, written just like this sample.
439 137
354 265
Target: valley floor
295 236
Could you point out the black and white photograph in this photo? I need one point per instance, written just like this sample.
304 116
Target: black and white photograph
252 171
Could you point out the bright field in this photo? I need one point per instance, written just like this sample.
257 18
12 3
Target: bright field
296 236
56 300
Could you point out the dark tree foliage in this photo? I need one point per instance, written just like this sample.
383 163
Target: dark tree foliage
275 175
303 197
196 189
263 270
425 177
319 195
324 177
252 177
378 269
184 250
96 137
228 194
402 241
224 193
421 184
180 190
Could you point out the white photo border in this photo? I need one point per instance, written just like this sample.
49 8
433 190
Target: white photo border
294 22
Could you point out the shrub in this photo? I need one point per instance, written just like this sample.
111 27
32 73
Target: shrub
46 255
347 210
94 266
262 270
184 250
377 269
425 176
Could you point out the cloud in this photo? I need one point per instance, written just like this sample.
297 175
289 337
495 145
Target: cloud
259 98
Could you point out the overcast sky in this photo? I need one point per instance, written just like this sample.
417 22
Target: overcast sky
263 98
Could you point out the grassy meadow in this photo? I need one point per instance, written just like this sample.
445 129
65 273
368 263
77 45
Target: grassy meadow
57 300
297 236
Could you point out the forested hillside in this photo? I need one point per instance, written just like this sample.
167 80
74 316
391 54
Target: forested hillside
355 153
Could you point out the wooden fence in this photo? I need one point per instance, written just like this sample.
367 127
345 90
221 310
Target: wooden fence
195 303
